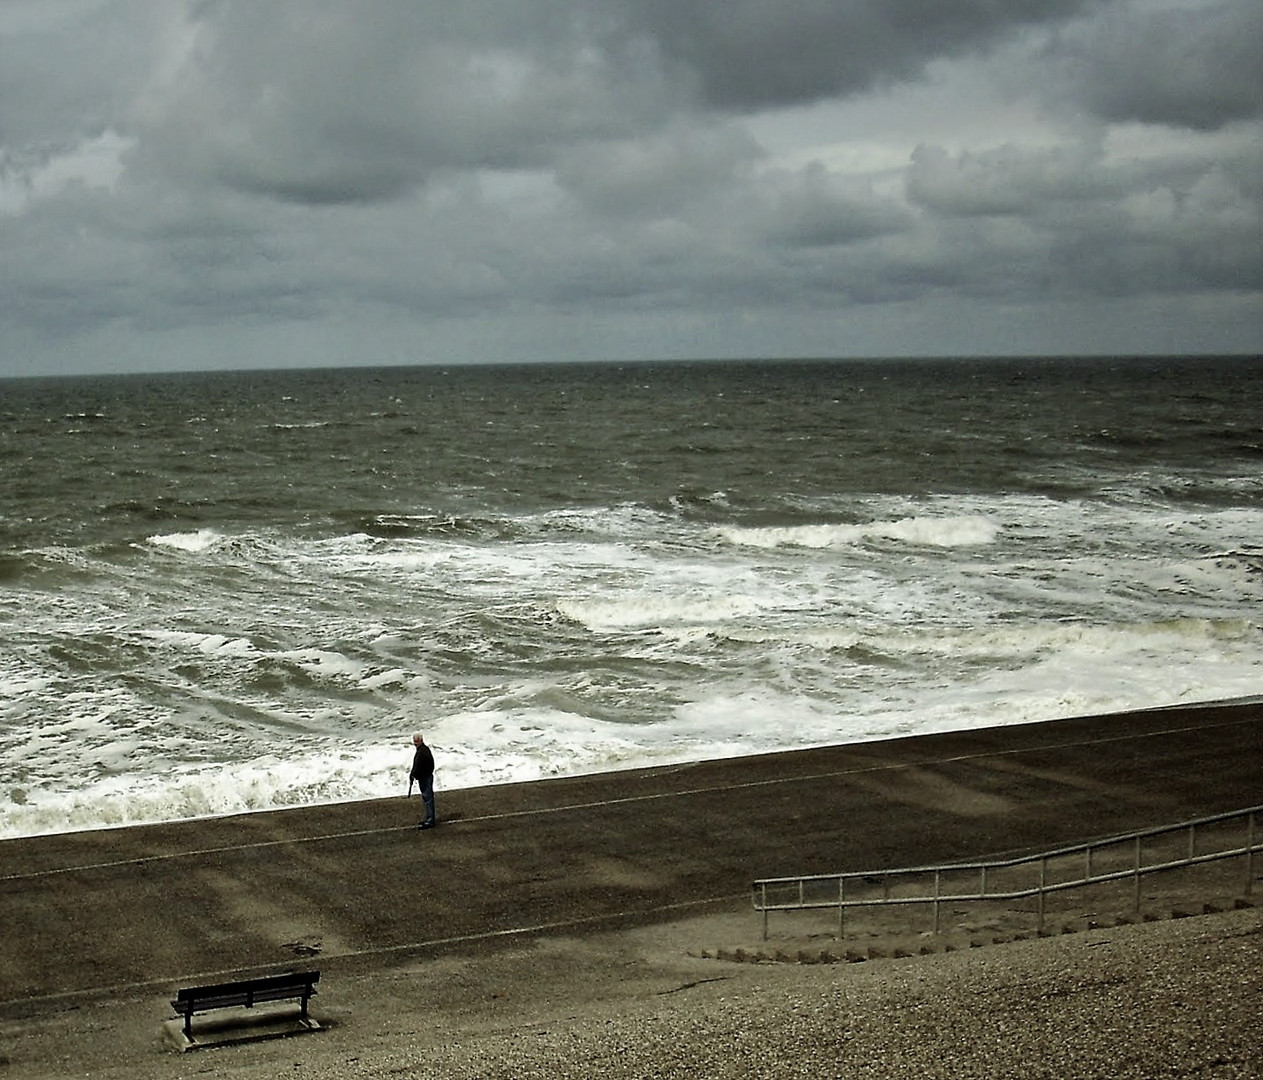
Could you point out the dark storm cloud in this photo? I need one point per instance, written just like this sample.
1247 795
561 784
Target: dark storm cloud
747 54
623 177
42 111
324 103
814 208
1200 67
1071 221
327 103
1008 180
658 174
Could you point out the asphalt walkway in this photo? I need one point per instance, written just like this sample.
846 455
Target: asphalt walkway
94 914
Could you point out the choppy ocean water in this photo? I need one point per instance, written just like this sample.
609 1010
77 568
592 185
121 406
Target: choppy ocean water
241 591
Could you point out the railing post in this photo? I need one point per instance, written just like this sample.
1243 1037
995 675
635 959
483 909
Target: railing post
1192 841
937 891
1249 855
841 908
1089 862
1136 870
1043 879
763 898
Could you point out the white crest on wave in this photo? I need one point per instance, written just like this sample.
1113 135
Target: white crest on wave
965 531
202 540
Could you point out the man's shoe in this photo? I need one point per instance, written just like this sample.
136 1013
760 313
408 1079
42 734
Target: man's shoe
426 825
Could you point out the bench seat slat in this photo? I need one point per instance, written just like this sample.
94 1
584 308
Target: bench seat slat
205 1002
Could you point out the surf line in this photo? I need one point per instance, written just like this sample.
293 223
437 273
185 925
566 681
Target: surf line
628 799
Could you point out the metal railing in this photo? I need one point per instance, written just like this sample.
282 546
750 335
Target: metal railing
1117 858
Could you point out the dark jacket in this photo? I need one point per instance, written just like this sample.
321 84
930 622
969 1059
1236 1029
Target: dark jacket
422 764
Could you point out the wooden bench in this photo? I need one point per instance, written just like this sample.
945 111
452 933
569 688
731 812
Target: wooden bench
249 993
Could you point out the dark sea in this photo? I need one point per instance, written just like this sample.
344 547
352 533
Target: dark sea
227 592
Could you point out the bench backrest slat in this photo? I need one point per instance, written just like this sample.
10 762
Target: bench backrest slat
271 988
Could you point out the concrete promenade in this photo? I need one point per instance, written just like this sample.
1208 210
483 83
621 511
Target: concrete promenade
137 911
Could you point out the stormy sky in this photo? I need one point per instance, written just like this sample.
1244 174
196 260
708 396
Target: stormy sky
229 183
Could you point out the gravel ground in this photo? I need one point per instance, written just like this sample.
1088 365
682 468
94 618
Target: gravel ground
1173 999
1168 1000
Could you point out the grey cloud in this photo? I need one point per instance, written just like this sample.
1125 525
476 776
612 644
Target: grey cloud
751 54
1007 179
332 103
816 208
73 274
1069 221
71 77
1200 68
659 174
325 103
286 167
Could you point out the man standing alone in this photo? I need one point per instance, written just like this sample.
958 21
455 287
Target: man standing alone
423 774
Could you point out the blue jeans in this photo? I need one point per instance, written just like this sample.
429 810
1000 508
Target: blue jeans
426 784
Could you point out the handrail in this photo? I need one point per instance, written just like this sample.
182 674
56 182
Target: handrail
815 891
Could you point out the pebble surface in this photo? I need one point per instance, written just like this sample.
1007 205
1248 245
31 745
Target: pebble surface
1181 998
1177 999
1144 1003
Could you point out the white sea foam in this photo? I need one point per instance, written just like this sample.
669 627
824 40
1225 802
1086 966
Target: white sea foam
18 682
209 644
194 542
535 732
925 531
677 598
657 610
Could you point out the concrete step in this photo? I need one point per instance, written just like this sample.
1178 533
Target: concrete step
827 949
